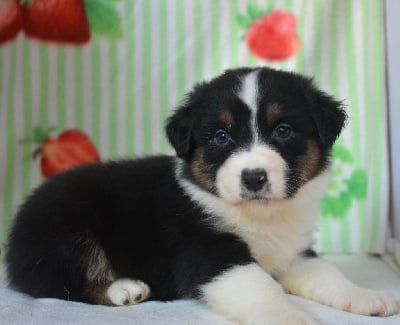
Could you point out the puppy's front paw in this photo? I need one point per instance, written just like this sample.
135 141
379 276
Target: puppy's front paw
125 292
366 302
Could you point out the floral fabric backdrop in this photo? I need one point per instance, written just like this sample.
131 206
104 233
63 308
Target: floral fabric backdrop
120 80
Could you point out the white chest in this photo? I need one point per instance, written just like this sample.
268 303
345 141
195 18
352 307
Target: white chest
275 232
277 240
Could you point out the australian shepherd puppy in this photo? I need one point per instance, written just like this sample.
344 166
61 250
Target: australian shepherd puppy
228 221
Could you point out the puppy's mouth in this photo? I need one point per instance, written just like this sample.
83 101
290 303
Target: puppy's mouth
259 198
253 197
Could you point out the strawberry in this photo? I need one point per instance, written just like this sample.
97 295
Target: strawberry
71 149
270 36
60 21
10 20
273 37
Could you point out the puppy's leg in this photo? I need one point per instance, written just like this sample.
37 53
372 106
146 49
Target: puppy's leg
103 286
248 295
315 279
121 292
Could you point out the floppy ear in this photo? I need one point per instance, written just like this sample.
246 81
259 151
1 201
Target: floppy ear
330 118
179 131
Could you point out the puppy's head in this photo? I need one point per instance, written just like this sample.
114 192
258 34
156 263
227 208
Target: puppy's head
255 134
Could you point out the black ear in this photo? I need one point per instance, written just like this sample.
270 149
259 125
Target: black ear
330 118
179 131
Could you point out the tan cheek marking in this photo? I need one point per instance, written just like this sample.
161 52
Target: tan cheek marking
309 163
201 171
273 114
227 119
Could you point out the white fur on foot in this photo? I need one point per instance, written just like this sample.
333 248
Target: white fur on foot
247 295
124 292
366 302
317 280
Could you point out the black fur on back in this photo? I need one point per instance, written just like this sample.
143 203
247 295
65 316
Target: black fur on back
139 218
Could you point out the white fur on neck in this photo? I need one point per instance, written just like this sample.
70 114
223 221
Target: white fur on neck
275 231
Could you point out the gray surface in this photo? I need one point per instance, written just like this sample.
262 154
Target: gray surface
16 308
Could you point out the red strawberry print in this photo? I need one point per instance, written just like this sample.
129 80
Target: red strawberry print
270 35
71 149
10 20
60 21
273 37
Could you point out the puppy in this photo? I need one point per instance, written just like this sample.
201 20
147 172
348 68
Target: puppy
229 221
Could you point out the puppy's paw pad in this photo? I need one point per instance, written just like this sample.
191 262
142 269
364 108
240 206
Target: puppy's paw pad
125 292
367 302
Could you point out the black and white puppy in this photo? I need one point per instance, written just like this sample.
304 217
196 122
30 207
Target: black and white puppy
229 221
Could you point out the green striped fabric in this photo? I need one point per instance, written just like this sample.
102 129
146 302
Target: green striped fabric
120 92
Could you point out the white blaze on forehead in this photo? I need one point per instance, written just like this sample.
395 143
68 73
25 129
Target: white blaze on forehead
249 95
249 90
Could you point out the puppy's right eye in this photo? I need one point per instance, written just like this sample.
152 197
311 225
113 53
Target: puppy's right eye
222 138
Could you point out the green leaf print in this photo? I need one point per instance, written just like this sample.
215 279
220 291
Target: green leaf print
341 153
103 18
358 184
347 184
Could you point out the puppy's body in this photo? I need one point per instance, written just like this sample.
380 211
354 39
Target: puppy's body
233 213
138 218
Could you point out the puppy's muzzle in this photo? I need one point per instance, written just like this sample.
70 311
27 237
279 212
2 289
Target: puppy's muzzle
254 180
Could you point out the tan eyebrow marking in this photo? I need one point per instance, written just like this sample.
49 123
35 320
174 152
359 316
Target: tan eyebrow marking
227 119
273 114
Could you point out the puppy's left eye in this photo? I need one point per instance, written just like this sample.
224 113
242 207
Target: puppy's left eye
222 138
283 131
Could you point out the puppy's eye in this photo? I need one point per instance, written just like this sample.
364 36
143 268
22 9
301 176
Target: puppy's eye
221 138
283 131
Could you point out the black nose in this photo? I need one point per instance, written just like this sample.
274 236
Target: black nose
254 179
